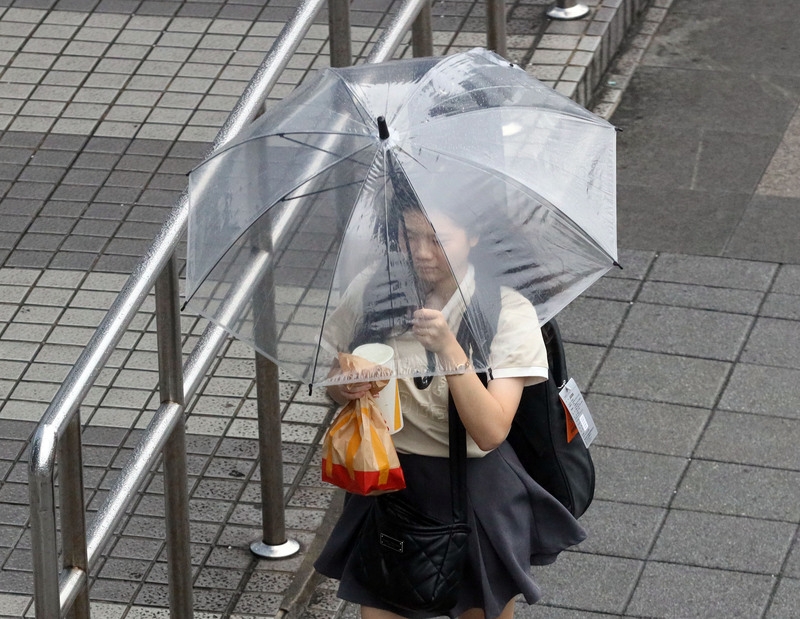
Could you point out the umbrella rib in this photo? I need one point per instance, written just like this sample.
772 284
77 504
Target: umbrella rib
527 190
324 169
335 264
421 84
319 148
415 276
516 86
355 100
316 132
470 327
366 117
315 193
597 121
281 134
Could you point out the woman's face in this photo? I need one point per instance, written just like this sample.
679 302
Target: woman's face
435 253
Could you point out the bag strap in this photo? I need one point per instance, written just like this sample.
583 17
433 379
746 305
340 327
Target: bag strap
458 445
483 313
555 352
474 315
457 433
458 463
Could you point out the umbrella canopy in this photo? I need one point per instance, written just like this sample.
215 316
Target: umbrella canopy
299 239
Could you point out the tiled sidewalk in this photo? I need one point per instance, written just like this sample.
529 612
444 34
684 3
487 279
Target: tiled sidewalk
102 113
165 77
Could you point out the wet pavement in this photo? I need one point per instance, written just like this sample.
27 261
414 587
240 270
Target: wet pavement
688 356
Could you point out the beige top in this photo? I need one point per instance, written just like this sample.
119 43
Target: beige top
517 350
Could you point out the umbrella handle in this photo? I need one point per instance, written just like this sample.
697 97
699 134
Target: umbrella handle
423 382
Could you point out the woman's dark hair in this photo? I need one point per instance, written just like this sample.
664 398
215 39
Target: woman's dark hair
394 292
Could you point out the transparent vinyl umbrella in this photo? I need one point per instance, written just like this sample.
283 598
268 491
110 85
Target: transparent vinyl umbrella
299 241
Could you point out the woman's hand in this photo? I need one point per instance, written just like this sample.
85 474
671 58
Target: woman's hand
432 331
342 394
487 412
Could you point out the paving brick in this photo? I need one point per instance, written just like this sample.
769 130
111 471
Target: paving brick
787 598
788 279
723 542
106 211
739 490
772 342
688 332
767 231
778 305
14 605
661 378
588 582
636 477
621 529
647 426
591 321
53 225
28 259
740 438
695 592
702 297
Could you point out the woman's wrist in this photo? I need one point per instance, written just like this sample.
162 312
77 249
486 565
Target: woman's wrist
455 359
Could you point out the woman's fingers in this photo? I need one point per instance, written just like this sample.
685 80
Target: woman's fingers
353 391
431 329
427 321
358 387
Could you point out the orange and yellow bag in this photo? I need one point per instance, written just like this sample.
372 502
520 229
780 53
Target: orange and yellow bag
358 453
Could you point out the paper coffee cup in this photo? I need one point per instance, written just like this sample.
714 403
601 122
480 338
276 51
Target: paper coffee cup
388 400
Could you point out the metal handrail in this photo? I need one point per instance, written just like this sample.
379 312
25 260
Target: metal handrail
57 592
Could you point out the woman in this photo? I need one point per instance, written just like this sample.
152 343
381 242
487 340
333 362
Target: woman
514 522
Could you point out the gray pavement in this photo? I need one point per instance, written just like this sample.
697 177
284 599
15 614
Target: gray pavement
689 356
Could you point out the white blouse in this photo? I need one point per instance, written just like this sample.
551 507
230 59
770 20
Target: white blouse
517 350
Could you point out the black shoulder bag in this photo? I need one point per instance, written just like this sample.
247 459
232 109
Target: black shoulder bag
538 435
406 557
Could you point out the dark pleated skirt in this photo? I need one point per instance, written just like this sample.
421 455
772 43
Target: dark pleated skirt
515 524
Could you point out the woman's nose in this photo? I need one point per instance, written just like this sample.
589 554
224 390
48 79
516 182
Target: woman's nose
423 249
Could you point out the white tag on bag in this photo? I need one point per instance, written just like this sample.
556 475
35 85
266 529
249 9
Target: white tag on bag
573 401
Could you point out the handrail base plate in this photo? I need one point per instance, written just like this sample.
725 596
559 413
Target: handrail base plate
272 551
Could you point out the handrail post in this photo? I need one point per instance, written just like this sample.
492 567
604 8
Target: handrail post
274 543
496 26
44 541
341 51
422 32
567 9
176 499
73 515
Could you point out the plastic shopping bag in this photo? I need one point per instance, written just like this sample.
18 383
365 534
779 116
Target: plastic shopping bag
358 453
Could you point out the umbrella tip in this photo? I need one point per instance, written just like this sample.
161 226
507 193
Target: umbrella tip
383 130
